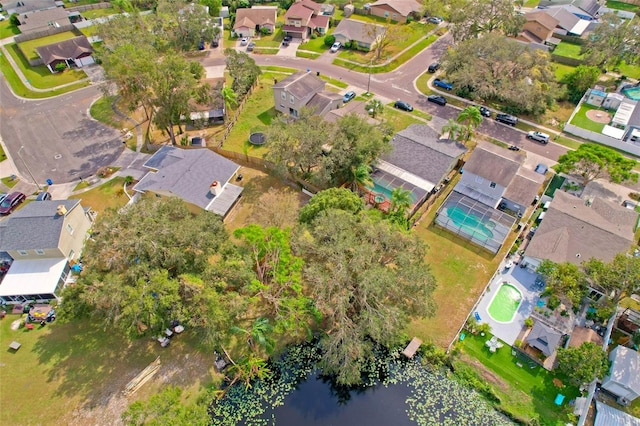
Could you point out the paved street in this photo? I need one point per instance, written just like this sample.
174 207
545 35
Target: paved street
61 142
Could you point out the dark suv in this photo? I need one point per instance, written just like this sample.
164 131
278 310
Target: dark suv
433 67
507 119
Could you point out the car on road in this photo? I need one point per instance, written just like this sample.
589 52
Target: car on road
437 99
514 148
433 67
442 84
43 196
543 138
335 47
507 119
10 202
434 20
244 41
348 96
403 106
484 111
251 46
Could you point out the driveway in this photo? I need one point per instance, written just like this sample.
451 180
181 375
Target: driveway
61 142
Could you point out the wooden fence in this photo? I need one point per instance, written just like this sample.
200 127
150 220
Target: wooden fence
82 8
44 33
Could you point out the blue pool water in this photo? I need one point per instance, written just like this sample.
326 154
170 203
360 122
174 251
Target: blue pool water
470 223
379 189
632 93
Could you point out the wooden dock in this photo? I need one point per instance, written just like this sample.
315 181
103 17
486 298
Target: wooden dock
412 347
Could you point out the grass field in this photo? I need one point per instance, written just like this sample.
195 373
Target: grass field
8 30
526 392
99 13
568 50
315 45
632 71
29 47
40 77
108 195
612 4
18 87
74 373
581 120
561 70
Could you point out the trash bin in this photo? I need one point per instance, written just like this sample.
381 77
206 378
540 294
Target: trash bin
49 182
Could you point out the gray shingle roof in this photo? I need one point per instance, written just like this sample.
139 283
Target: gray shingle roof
544 338
497 165
524 187
72 48
361 31
573 232
37 225
187 173
301 84
321 100
44 19
418 150
625 368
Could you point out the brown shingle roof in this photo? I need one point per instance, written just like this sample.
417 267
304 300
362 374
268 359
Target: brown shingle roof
574 232
299 11
250 17
360 31
493 163
524 186
542 18
301 84
581 335
321 100
72 48
404 7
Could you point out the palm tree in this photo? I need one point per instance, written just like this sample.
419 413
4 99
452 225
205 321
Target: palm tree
400 201
247 369
258 334
471 118
361 177
230 99
375 107
453 130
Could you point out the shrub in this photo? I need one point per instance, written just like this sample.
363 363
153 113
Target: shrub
264 31
314 36
528 322
14 20
554 302
634 196
329 40
518 343
60 66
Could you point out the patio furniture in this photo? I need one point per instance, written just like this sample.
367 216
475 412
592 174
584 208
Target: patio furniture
178 329
493 344
15 345
168 332
28 326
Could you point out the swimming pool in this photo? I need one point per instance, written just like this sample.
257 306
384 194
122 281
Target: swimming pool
470 223
380 188
632 92
505 303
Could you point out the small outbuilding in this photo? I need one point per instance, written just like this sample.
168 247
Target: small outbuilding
623 380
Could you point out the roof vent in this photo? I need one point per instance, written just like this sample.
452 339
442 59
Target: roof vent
61 210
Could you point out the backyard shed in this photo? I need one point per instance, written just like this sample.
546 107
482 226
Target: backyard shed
623 380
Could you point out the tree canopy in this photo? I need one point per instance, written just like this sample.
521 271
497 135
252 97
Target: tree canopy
332 198
584 363
473 18
618 278
612 41
499 69
368 280
592 161
564 280
579 80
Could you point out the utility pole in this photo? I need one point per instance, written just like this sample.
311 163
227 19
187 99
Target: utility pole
28 169
369 82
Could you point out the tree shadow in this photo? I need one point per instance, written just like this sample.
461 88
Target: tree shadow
267 116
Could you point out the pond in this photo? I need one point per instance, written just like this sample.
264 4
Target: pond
397 392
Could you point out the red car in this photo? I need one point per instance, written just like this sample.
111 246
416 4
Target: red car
10 202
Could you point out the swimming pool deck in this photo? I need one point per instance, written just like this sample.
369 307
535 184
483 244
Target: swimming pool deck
521 278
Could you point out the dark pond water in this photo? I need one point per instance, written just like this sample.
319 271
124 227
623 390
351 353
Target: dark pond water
315 403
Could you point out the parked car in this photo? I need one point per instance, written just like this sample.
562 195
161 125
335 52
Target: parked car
201 45
244 41
543 138
437 99
3 195
10 202
514 148
286 40
43 196
541 168
215 42
442 84
434 20
484 111
348 96
433 67
507 119
403 106
250 47
335 47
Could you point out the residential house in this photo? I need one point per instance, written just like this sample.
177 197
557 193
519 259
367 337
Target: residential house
568 23
303 18
250 21
353 107
574 230
74 52
494 190
212 112
304 90
581 335
21 7
419 162
43 20
200 177
623 379
42 238
538 28
365 34
396 10
609 416
543 338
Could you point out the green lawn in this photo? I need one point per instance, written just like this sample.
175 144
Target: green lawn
29 47
568 50
3 156
40 76
632 71
531 3
525 392
612 4
108 195
18 87
315 45
306 55
99 13
269 40
561 70
581 120
102 111
8 30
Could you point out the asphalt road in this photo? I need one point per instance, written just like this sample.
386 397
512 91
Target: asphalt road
61 142
400 84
